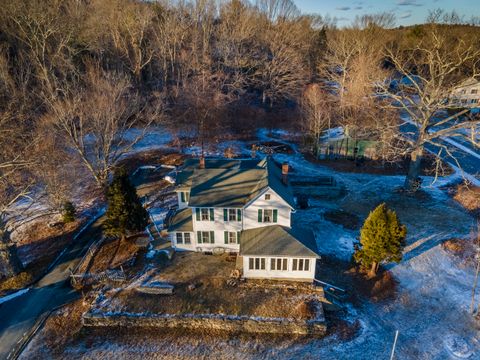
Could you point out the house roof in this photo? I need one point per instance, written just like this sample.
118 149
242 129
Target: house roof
278 240
231 183
181 221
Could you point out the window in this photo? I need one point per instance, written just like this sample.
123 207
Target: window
474 91
184 196
474 101
232 214
231 237
301 265
179 238
206 237
183 238
267 196
256 263
204 214
267 215
278 264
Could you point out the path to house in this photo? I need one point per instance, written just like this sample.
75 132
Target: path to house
19 315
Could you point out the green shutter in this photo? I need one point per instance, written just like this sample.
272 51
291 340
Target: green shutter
259 215
199 237
182 196
275 215
197 212
211 214
225 214
212 237
225 235
239 214
238 237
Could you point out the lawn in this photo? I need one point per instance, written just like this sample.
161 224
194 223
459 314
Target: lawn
201 288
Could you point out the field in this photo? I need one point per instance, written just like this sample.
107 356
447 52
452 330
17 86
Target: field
202 287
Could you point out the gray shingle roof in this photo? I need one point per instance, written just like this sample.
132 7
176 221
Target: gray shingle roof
181 221
278 240
231 183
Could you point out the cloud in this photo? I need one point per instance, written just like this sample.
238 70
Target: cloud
343 8
405 15
408 3
358 7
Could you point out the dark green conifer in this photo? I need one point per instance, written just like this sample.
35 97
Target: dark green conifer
382 239
125 212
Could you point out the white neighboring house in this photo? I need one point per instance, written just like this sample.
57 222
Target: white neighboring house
466 95
244 207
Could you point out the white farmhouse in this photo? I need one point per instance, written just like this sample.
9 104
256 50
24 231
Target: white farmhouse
466 95
243 207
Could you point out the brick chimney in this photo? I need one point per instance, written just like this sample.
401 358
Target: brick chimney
285 173
254 151
201 164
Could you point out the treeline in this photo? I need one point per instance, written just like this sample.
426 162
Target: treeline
77 75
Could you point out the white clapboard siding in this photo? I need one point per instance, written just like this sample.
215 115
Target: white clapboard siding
279 274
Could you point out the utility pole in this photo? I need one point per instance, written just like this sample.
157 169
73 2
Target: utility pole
394 345
476 239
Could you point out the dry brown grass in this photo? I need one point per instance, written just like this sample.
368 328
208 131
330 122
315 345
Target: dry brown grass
59 329
16 282
38 245
468 197
384 286
463 249
113 254
210 293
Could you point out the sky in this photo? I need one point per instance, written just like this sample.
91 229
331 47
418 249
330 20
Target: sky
407 12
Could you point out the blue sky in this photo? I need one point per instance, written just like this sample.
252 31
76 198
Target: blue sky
407 11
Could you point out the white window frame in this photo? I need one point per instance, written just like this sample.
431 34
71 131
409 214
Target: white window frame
278 264
203 239
184 239
232 237
230 213
300 264
204 214
179 238
265 217
257 263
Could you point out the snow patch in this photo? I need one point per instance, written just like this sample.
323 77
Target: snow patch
13 296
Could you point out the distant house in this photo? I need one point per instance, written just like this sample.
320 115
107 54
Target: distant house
466 95
242 207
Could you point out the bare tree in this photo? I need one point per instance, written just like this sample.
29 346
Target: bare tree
430 71
99 122
317 113
130 33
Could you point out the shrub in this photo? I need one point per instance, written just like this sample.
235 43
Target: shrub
68 212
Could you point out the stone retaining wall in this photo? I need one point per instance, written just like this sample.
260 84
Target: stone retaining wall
228 323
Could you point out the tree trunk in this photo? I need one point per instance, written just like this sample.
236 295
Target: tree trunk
373 269
413 175
10 264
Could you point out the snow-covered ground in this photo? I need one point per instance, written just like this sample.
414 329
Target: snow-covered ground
430 309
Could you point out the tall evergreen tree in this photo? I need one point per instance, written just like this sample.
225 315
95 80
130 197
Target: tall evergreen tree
382 239
125 212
